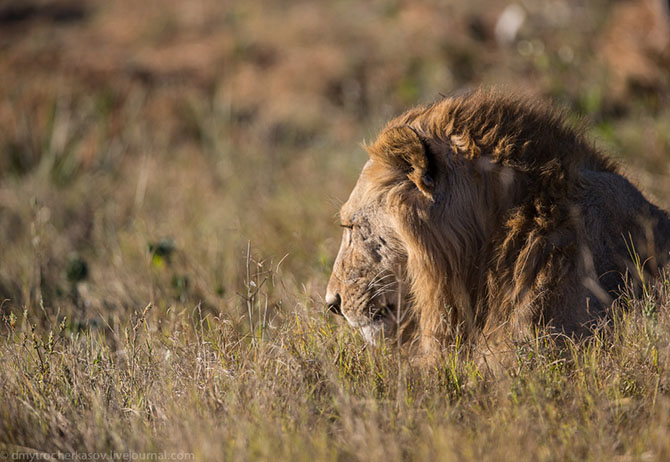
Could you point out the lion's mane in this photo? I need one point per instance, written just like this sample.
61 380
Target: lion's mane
501 206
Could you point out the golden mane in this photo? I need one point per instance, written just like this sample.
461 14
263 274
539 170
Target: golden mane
493 217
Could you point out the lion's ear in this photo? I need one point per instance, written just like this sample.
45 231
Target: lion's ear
401 148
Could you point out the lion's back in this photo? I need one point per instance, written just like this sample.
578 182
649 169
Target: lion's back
620 225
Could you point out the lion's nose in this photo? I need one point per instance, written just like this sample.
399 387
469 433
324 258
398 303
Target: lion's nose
334 302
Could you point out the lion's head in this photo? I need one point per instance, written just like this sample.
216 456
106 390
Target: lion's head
388 220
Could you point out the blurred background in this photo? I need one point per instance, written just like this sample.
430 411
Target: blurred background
184 152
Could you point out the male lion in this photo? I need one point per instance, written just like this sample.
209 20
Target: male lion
479 217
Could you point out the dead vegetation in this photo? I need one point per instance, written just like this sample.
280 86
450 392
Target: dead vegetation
144 145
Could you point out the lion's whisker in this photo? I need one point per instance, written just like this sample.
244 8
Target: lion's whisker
376 278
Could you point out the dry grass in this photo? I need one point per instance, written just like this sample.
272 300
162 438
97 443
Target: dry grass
178 380
144 145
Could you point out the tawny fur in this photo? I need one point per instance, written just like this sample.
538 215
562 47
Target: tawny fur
501 217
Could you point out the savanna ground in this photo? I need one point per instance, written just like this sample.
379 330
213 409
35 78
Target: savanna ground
170 173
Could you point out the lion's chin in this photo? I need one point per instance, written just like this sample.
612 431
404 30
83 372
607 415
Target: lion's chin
373 332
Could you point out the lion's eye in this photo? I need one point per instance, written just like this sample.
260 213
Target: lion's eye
348 226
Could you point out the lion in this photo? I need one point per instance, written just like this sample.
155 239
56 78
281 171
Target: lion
481 217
